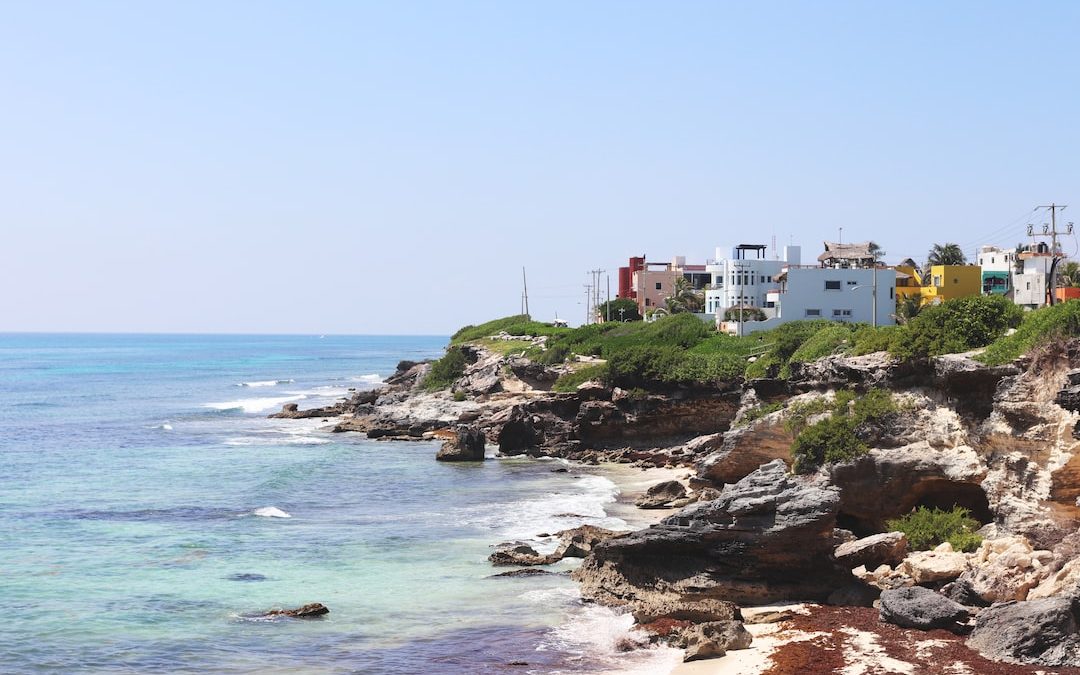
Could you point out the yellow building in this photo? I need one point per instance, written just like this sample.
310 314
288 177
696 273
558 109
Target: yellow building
945 282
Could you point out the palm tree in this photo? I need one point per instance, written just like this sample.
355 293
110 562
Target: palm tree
1070 274
907 307
944 254
684 298
876 251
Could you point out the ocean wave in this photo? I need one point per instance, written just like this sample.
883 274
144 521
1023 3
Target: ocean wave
264 383
599 635
270 512
295 439
255 405
370 378
583 502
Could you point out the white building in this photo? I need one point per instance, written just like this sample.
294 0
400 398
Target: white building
1032 283
998 266
852 295
746 278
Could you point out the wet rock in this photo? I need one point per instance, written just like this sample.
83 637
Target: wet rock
246 576
309 611
661 495
712 639
921 608
578 542
520 554
887 548
525 572
1037 632
467 446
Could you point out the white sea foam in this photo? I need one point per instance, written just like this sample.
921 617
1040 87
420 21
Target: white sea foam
166 426
599 635
294 439
370 378
255 405
270 512
583 501
264 383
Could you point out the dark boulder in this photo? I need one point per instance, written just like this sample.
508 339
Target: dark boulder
467 446
1036 632
922 608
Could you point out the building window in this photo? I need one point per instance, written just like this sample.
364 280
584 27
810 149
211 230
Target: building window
813 312
841 312
658 284
763 279
769 278
851 283
937 281
890 293
647 302
832 285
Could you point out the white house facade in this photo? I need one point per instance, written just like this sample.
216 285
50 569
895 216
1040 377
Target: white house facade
746 278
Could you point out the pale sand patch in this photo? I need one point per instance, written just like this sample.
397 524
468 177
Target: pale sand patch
632 482
864 655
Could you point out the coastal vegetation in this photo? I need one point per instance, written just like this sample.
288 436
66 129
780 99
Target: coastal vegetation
447 369
927 528
683 350
841 435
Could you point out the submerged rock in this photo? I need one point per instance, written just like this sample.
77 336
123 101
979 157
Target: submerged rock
921 608
309 611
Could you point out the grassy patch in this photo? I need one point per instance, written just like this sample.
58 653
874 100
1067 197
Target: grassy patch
1037 328
519 324
504 346
926 528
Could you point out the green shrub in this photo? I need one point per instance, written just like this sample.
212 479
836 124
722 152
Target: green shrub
926 528
1037 328
825 342
459 396
868 339
956 326
780 344
569 382
832 439
447 369
747 313
835 438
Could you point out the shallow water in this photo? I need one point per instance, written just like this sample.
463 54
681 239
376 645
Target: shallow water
148 510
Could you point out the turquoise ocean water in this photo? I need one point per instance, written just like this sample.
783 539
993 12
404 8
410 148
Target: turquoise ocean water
134 468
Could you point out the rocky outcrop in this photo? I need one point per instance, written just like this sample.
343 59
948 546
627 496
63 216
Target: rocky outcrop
921 608
887 548
941 564
662 494
712 639
1037 632
467 446
1006 568
743 449
767 538
577 542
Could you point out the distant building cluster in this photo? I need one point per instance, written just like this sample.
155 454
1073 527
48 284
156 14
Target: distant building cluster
745 290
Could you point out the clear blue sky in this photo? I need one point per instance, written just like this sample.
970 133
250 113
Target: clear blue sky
389 167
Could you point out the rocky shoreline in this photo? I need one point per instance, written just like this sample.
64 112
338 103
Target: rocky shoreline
745 530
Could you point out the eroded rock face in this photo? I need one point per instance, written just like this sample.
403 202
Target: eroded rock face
926 567
1037 632
767 538
921 608
1006 569
744 449
887 548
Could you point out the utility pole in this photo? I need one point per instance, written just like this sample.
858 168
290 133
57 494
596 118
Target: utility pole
596 287
525 290
588 304
608 305
1051 230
